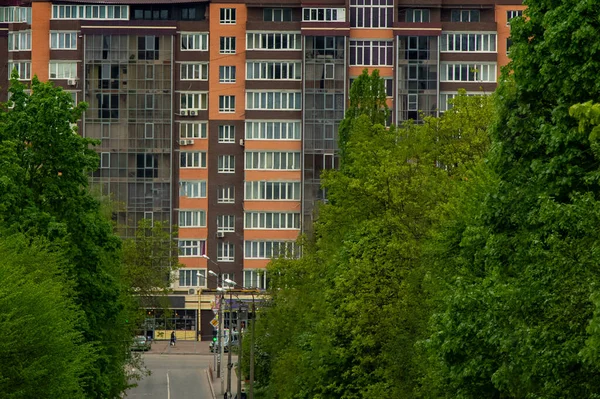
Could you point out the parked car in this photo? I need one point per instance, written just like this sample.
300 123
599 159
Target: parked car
141 343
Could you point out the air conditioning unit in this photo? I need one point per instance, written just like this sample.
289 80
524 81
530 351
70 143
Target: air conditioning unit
72 82
220 234
186 142
242 142
191 291
193 113
183 112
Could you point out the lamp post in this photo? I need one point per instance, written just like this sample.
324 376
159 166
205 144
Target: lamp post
199 319
220 314
229 364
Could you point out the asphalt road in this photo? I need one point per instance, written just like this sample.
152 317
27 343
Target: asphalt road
174 377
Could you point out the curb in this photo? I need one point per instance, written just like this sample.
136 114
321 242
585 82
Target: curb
212 391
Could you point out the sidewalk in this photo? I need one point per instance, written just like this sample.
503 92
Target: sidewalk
180 348
219 385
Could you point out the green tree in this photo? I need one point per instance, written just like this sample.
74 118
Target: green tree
48 198
516 263
43 354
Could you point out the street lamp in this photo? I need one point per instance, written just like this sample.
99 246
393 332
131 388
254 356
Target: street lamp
220 329
229 364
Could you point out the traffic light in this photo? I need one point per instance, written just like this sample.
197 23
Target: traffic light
214 335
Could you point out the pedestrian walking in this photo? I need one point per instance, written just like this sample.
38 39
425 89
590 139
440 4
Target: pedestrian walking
173 338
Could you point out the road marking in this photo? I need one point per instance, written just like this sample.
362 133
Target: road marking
168 387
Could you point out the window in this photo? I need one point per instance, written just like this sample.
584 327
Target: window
192 219
191 277
269 249
417 15
192 247
90 12
272 160
371 13
105 127
371 52
226 194
277 14
513 14
225 252
274 100
273 70
508 44
227 45
193 159
105 160
269 190
272 220
148 47
464 16
446 99
147 165
255 278
226 223
63 40
226 134
226 74
227 16
194 130
149 101
108 106
195 71
324 14
19 41
63 70
194 41
15 14
192 189
270 130
226 104
468 73
273 41
149 130
226 164
193 101
329 72
467 42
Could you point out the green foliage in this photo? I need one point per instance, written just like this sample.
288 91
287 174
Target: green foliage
43 354
344 319
46 196
516 263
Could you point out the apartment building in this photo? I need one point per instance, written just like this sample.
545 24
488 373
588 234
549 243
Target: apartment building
219 117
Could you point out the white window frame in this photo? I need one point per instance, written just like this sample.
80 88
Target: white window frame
227 104
23 68
272 160
273 70
226 164
465 15
192 159
227 74
267 41
226 134
225 251
192 188
227 16
227 45
273 130
417 15
226 223
191 247
90 12
255 220
193 130
193 71
327 14
480 42
104 160
462 72
510 14
149 130
255 278
192 218
363 47
58 40
193 41
272 190
226 194
274 100
193 101
15 14
19 41
62 70
187 277
267 249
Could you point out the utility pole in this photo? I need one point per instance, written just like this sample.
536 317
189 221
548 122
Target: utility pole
239 361
229 364
219 333
252 350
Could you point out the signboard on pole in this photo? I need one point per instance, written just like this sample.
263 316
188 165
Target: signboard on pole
214 322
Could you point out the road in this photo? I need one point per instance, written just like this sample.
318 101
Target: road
174 377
